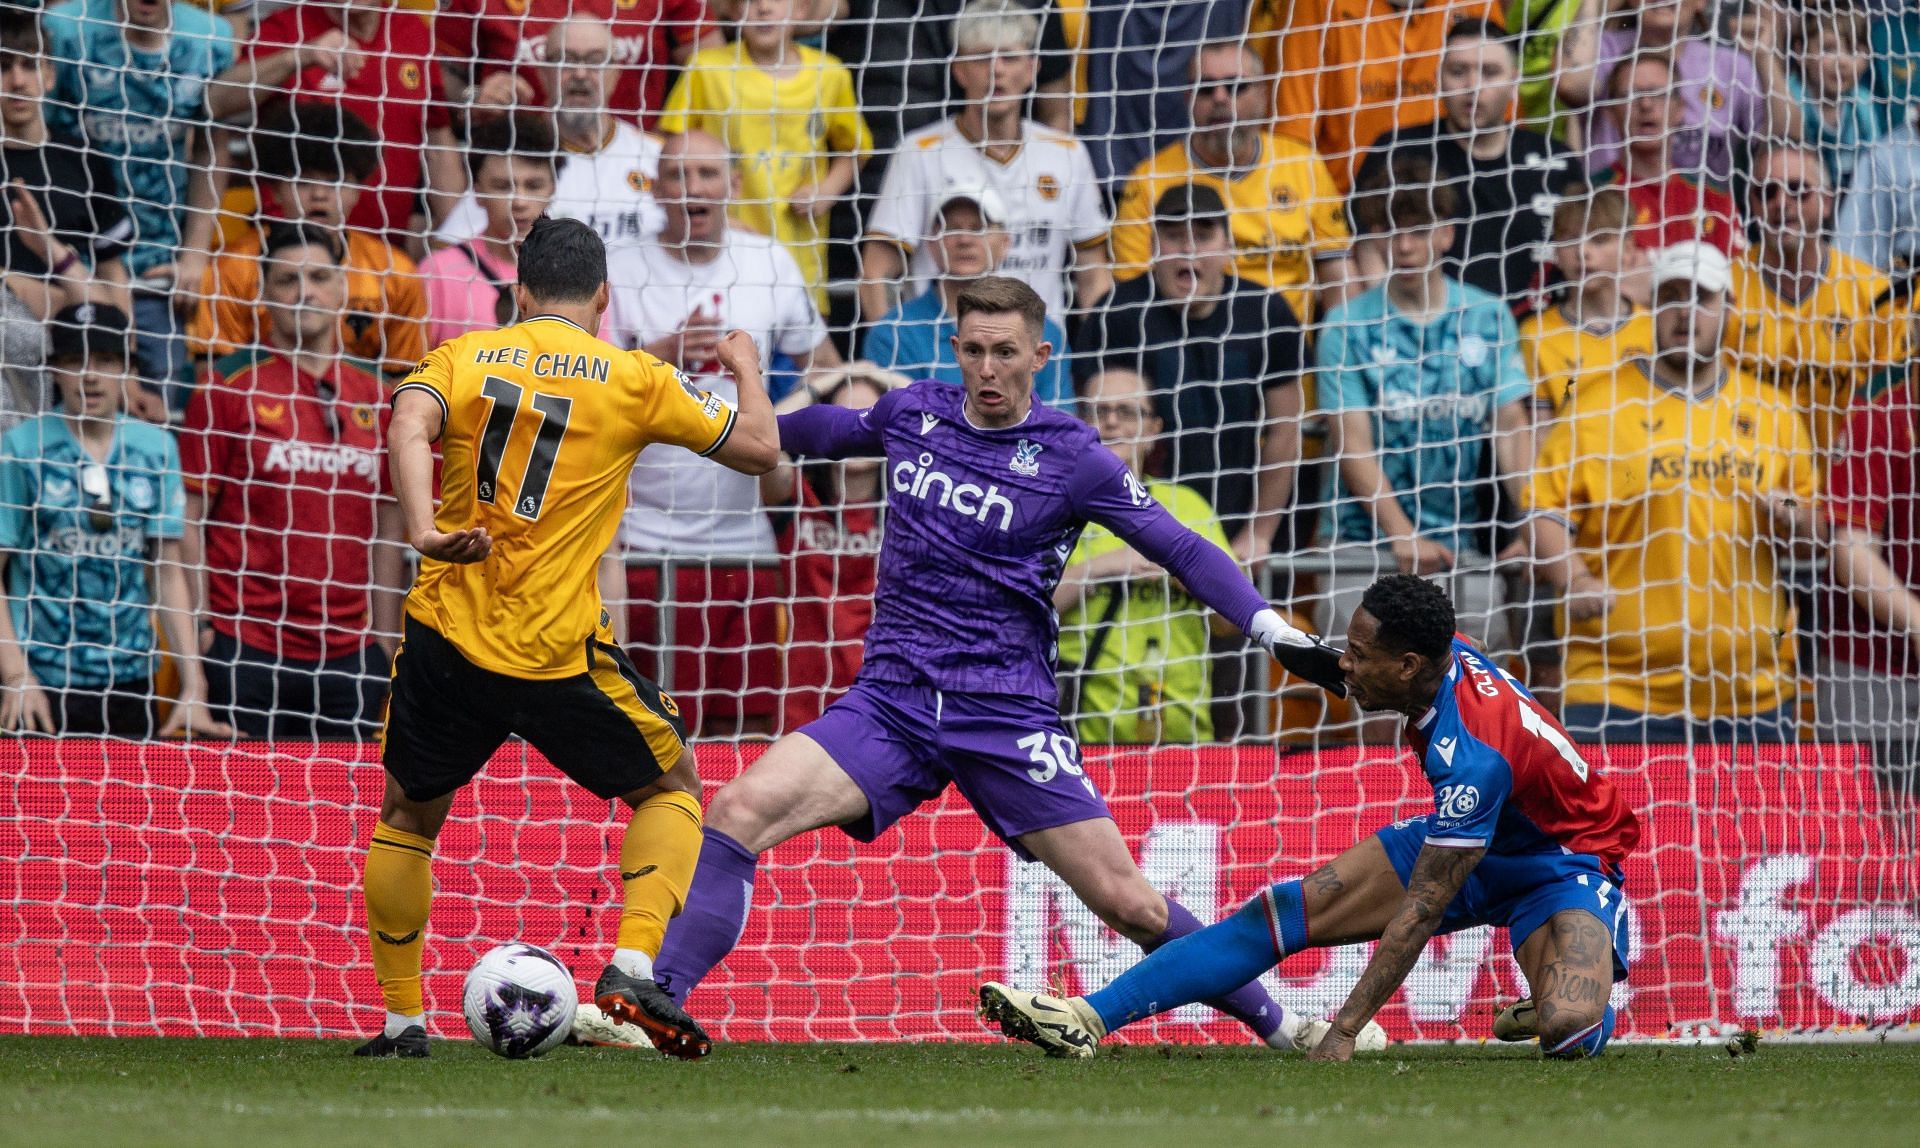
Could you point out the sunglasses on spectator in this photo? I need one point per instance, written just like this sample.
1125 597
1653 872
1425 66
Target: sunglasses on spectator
99 491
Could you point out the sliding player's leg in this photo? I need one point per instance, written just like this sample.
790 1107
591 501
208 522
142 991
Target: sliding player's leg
1567 919
1568 964
1093 859
440 730
1350 899
861 766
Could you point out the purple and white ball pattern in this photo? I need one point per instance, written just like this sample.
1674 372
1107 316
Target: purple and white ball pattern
519 1001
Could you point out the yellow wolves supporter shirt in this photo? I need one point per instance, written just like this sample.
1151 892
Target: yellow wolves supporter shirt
1557 353
1824 348
1662 492
543 422
1285 212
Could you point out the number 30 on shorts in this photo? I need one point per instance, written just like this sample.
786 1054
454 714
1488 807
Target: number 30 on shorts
1053 754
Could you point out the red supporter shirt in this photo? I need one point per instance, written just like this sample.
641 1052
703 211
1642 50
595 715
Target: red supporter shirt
1677 209
291 498
833 566
1873 488
514 32
398 91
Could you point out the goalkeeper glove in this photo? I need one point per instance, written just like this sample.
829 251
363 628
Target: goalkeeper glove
1300 653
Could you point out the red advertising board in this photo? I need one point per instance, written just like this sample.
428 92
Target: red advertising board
151 888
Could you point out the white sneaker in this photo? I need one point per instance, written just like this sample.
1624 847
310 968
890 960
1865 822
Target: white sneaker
1372 1038
1061 1027
591 1026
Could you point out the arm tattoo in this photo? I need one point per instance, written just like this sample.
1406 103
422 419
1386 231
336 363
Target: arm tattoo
1438 874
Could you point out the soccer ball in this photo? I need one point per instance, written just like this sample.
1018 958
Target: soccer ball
519 1001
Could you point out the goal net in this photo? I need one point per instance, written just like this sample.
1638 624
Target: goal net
1598 313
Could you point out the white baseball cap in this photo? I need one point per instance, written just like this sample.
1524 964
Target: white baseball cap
1694 262
993 209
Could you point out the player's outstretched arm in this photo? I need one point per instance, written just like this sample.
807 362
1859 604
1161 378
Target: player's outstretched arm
1438 874
824 430
1104 491
753 445
417 419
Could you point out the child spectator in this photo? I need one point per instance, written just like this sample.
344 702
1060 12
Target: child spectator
789 112
286 513
469 284
1595 325
826 522
133 82
1669 205
1829 77
313 159
969 242
1421 380
90 525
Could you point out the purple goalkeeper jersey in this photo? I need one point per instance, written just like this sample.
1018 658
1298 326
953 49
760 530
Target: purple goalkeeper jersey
979 524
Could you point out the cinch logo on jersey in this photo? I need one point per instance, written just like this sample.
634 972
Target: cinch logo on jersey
917 480
1452 802
314 458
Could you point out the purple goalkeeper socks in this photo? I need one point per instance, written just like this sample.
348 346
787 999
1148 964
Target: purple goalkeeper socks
1249 1004
716 914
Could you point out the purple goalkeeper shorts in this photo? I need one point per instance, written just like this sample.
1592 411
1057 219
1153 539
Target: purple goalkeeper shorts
1011 756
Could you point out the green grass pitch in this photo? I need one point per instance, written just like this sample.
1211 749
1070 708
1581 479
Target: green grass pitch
102 1092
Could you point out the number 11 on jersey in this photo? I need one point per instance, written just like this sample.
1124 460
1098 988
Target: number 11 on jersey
503 415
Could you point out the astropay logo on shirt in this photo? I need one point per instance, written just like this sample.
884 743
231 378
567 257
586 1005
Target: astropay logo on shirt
315 458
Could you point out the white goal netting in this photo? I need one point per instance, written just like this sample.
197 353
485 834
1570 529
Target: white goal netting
1597 312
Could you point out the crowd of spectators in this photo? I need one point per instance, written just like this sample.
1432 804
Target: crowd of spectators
1598 311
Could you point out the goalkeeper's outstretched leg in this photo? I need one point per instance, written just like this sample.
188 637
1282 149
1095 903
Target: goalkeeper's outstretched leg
878 754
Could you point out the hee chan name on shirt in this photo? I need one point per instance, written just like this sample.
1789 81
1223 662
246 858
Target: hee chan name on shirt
547 363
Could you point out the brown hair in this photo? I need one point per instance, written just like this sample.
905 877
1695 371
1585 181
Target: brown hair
997 295
1408 192
1584 213
1624 69
1846 21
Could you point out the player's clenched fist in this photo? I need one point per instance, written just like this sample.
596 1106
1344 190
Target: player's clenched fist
738 354
462 546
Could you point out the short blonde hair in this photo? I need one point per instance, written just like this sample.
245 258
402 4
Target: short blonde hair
990 25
